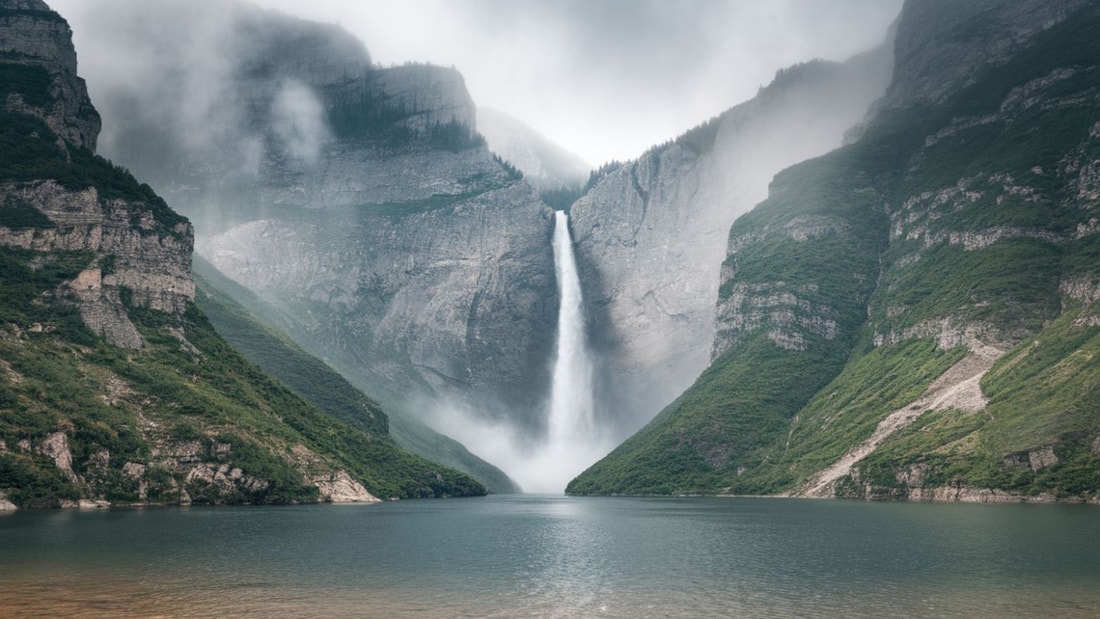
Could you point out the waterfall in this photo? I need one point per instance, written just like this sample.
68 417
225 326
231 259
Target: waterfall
571 415
573 441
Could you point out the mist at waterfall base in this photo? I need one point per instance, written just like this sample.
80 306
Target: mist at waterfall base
573 440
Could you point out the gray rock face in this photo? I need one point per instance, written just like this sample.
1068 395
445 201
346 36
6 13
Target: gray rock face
151 262
454 298
137 248
651 235
32 34
942 45
359 200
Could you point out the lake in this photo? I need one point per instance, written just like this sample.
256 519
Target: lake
550 556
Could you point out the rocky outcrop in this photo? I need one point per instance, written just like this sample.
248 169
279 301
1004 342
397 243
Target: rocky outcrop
958 222
149 262
651 234
356 199
454 298
943 46
138 248
33 36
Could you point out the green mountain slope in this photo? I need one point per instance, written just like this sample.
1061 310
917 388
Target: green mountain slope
323 387
114 387
911 316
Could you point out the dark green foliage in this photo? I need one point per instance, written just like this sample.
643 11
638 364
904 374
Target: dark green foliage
984 209
32 481
19 215
513 171
29 292
595 176
457 137
561 198
360 111
32 82
29 152
391 470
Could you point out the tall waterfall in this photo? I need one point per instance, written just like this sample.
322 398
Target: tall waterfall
571 413
573 443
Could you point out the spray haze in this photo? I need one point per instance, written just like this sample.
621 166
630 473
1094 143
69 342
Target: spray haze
605 80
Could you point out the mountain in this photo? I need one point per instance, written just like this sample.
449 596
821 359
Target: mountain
358 201
651 234
217 296
913 315
114 387
544 164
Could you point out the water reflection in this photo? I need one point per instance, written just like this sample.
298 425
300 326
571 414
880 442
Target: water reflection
557 557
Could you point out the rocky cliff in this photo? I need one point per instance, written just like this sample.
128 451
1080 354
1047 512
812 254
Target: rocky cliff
911 316
113 386
359 201
52 204
37 49
651 233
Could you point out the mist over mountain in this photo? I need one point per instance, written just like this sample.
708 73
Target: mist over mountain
115 388
912 316
829 289
544 164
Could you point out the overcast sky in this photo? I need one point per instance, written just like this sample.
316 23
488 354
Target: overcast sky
605 78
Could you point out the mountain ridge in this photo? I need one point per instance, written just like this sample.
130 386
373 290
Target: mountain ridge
115 389
949 246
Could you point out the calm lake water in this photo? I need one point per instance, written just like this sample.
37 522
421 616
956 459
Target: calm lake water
538 556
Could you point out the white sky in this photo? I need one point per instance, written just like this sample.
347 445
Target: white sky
606 79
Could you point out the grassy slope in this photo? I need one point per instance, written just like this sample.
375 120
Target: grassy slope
104 398
186 389
233 310
759 404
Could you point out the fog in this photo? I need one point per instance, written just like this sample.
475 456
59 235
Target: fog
604 79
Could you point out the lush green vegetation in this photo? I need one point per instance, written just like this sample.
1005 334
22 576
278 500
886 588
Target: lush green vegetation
1042 395
200 390
17 214
561 198
32 82
30 294
29 151
403 429
733 431
394 471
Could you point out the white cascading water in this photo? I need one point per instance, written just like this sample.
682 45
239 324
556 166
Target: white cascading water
571 414
572 442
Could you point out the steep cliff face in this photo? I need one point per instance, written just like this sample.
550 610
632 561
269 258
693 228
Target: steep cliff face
911 316
113 386
357 200
37 50
651 233
134 243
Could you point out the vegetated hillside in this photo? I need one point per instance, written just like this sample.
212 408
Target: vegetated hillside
914 315
322 386
651 233
359 201
114 388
